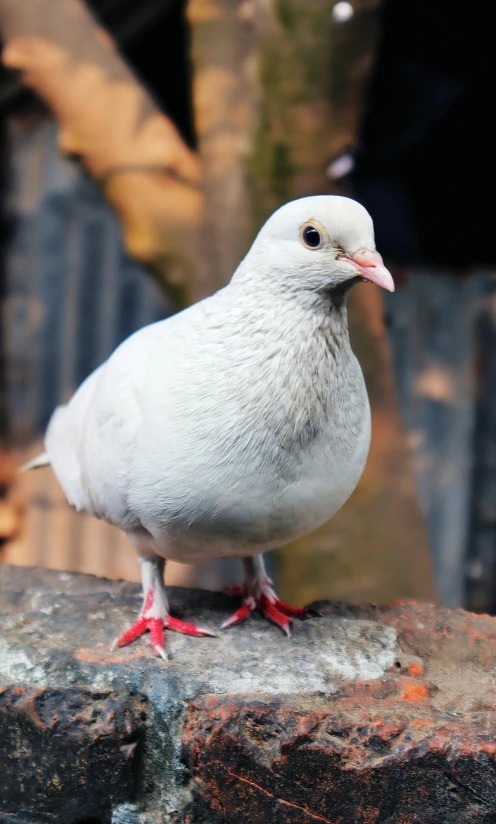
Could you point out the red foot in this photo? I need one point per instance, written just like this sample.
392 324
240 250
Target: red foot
156 627
270 606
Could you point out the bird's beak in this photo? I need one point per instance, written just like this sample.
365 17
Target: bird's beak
371 267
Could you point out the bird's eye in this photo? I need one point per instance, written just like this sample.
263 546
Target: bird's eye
311 237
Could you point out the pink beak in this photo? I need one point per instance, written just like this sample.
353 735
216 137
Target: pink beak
371 267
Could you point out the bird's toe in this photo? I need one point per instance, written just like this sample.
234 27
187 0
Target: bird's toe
176 625
156 626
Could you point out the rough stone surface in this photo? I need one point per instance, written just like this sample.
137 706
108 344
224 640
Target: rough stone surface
367 716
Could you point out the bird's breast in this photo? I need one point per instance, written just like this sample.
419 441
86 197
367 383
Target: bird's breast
264 489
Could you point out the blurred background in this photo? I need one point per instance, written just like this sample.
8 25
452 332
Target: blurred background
142 147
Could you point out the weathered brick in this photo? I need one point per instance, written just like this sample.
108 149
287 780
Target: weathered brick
369 715
65 749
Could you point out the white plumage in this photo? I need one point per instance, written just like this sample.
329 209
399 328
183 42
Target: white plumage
237 425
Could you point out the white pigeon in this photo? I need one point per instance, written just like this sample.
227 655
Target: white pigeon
237 425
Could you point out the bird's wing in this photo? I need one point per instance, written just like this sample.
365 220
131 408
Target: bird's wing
62 442
90 440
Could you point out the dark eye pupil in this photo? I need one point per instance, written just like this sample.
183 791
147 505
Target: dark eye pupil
311 237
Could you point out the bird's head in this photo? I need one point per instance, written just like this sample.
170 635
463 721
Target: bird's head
323 244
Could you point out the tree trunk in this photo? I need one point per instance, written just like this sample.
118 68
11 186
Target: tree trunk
225 40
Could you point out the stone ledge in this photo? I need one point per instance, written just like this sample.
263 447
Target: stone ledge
367 716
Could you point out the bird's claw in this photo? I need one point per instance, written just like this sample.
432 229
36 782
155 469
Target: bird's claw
271 607
156 627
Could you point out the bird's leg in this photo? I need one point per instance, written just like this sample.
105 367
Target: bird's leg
258 593
154 615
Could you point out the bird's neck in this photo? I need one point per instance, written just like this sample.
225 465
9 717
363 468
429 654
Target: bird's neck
304 323
319 342
302 351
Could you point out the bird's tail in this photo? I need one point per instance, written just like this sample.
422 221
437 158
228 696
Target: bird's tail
36 463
